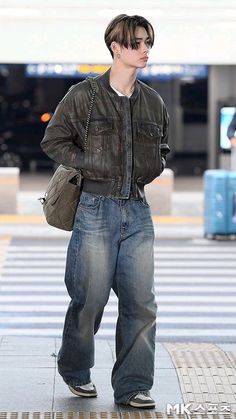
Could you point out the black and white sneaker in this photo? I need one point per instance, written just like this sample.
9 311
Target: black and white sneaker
142 400
87 390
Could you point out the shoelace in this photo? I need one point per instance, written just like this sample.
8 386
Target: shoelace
145 393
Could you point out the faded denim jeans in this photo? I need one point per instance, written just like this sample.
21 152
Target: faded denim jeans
111 247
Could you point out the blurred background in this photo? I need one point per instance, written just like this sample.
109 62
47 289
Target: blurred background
46 46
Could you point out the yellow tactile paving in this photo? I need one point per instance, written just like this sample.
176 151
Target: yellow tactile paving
22 219
5 237
206 374
40 219
109 415
89 415
8 181
177 220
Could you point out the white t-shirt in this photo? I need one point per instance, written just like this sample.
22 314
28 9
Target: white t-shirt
117 91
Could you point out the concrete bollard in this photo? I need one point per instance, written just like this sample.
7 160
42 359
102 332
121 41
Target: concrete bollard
159 193
9 186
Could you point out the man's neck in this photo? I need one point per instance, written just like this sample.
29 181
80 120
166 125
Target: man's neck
123 79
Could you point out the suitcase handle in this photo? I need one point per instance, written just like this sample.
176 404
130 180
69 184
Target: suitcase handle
234 206
233 158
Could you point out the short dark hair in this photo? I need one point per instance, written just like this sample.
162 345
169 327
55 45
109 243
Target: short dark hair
122 30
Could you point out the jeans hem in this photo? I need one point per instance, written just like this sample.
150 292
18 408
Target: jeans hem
127 399
76 384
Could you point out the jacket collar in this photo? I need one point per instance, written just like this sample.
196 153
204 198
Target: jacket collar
104 81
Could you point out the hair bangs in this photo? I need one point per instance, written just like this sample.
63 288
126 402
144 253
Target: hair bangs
122 29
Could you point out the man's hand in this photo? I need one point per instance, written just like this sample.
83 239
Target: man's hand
233 141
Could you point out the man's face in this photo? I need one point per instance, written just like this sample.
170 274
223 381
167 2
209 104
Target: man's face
136 58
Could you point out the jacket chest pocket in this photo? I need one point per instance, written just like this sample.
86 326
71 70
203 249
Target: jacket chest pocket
99 130
148 133
147 150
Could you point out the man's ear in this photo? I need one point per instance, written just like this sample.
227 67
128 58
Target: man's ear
115 47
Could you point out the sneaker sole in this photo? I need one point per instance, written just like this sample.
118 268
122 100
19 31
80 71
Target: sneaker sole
82 393
142 406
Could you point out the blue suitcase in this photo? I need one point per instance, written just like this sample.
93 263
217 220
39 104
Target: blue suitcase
219 203
231 202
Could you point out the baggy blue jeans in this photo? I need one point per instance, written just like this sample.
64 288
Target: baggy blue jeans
111 247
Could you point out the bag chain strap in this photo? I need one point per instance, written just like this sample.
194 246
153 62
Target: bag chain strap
89 115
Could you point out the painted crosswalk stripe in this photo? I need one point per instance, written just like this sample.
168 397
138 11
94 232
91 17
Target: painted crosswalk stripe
159 280
173 334
161 248
160 264
48 255
166 298
160 288
111 319
174 271
195 292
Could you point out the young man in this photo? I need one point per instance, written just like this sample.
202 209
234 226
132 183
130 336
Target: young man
112 241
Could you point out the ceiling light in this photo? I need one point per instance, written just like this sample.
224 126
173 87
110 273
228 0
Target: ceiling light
13 12
114 12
